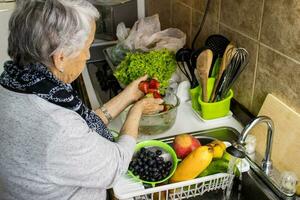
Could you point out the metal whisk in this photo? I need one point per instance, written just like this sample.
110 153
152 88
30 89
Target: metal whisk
237 64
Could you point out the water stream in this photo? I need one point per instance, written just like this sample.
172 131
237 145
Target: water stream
230 170
227 195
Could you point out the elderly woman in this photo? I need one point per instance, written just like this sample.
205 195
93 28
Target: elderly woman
51 145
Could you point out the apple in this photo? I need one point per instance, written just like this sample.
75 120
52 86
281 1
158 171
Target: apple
185 144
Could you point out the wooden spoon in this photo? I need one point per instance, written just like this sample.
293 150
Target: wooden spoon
204 61
227 56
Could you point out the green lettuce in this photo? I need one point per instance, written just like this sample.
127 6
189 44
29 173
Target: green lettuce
159 64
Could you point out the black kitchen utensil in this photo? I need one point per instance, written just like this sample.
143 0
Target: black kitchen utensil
226 58
183 56
237 64
217 43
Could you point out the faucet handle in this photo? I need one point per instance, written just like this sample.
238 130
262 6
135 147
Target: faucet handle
288 182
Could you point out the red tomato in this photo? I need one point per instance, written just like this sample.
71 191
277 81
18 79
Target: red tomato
156 94
151 90
153 84
144 86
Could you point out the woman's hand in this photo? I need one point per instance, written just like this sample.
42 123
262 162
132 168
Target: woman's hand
144 106
132 90
128 96
149 105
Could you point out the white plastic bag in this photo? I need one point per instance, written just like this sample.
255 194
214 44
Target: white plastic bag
122 31
146 35
172 39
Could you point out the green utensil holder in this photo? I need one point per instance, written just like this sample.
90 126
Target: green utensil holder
213 110
194 93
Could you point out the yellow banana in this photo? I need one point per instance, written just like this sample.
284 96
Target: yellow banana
218 147
197 161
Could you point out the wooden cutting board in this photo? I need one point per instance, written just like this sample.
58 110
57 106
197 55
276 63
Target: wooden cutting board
286 139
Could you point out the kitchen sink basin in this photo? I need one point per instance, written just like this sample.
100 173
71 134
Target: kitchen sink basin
249 186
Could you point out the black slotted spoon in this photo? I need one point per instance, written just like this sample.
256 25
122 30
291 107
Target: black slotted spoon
217 43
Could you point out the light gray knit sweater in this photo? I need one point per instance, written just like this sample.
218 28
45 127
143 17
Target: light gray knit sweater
49 152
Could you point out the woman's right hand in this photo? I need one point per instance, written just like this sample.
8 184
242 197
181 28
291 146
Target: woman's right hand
149 105
143 106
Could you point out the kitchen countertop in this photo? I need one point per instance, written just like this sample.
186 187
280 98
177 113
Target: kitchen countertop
186 121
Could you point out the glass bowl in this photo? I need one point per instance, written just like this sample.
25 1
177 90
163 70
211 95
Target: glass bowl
163 121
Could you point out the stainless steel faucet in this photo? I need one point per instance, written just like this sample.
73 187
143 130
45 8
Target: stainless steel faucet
266 163
268 174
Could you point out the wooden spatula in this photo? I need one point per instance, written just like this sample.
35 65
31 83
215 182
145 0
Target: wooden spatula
204 62
229 52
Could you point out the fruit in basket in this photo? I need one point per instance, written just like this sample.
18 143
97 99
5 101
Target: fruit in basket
162 195
150 165
196 162
226 156
218 147
185 144
218 166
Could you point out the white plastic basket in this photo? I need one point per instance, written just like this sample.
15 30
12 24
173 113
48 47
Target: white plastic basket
129 188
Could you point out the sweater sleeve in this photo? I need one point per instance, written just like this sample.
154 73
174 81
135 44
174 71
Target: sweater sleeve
78 156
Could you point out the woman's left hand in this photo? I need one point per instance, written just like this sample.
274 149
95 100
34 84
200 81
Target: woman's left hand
128 96
132 90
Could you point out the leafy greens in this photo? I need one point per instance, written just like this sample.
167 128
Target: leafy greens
158 64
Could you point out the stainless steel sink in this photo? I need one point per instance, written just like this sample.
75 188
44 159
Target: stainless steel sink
251 187
224 133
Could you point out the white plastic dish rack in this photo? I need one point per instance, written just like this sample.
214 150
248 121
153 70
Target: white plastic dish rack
129 188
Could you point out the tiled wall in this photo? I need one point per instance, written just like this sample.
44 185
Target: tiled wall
268 29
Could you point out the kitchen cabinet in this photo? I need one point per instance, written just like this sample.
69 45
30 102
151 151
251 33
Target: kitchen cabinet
5 13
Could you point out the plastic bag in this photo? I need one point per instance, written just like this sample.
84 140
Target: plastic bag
172 39
146 35
117 53
122 31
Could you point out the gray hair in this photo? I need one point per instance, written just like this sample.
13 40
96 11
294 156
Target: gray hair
41 28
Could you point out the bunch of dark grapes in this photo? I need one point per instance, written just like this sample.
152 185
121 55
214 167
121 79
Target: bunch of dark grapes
150 166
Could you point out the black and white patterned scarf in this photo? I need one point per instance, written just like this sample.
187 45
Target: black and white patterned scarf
37 79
